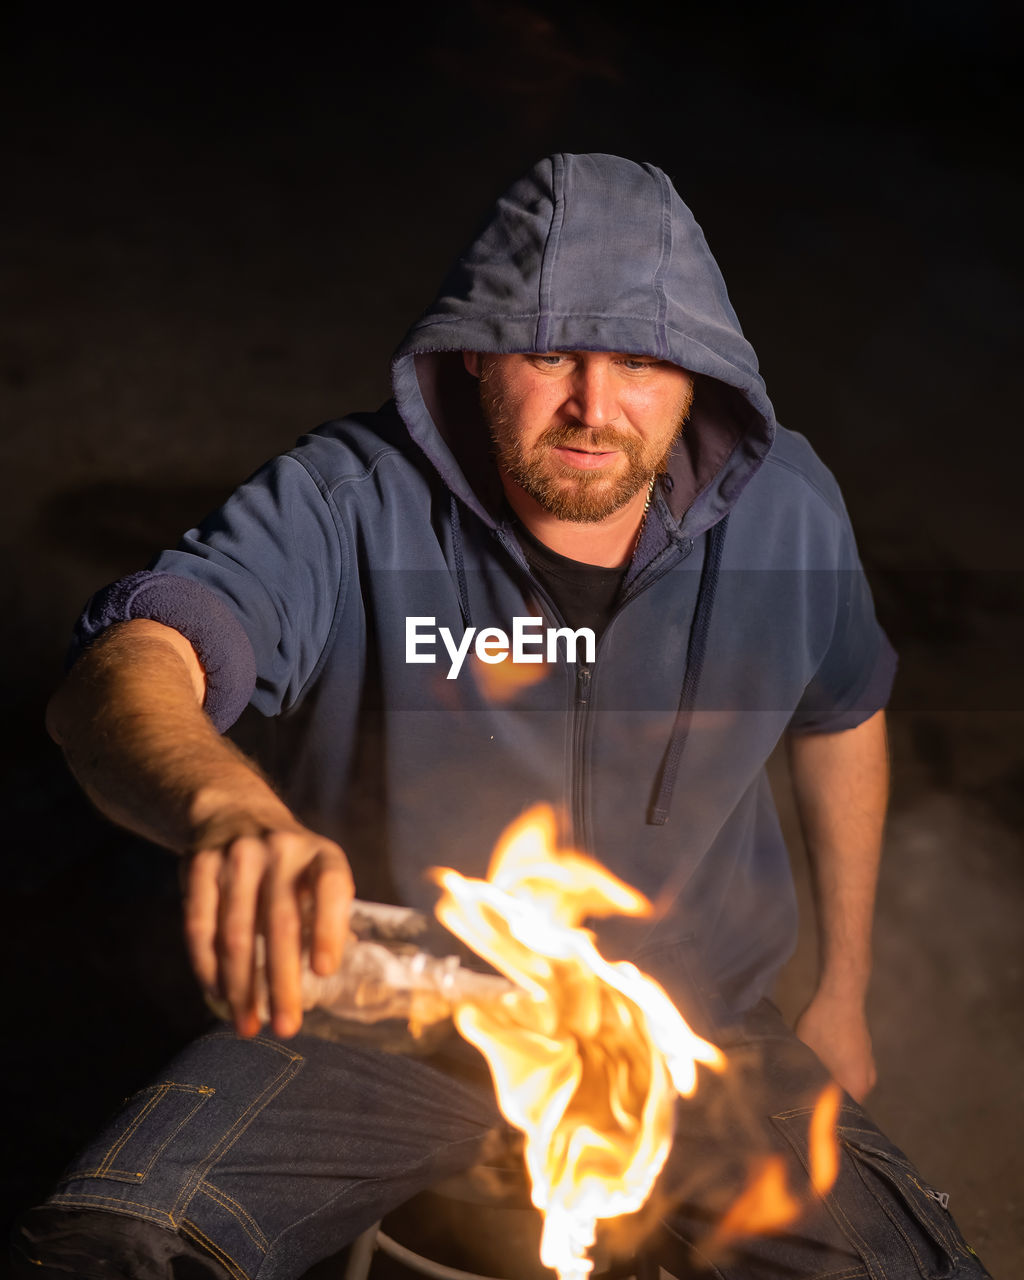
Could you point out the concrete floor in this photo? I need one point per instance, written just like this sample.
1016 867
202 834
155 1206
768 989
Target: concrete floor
214 241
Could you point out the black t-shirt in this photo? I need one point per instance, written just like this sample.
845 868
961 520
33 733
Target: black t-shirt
584 594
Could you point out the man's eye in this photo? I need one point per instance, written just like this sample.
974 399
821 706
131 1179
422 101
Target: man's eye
632 363
550 361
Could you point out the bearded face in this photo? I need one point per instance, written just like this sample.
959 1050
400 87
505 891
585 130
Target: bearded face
582 432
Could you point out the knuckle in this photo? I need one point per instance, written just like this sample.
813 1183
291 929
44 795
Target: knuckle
333 863
203 863
241 854
285 852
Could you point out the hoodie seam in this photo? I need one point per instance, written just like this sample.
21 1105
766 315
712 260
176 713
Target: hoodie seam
773 460
330 487
665 257
326 492
549 255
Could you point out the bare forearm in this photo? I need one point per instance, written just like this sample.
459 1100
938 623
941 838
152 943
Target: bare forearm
130 721
842 783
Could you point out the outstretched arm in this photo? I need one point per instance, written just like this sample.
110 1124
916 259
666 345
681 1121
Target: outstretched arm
841 782
129 718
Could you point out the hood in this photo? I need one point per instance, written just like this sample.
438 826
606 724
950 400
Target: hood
589 252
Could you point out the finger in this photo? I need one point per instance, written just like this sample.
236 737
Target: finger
333 892
241 874
202 897
282 924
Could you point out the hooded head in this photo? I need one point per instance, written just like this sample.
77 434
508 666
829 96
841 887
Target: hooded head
589 253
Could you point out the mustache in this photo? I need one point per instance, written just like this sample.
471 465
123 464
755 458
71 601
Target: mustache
573 435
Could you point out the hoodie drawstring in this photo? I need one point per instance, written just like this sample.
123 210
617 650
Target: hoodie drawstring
460 565
658 815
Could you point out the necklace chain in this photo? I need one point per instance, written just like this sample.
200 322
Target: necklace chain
643 516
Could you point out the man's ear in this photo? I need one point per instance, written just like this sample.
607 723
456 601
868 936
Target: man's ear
471 359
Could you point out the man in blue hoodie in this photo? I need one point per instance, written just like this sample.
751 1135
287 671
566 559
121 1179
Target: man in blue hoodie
580 465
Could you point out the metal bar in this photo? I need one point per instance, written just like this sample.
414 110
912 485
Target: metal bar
360 1254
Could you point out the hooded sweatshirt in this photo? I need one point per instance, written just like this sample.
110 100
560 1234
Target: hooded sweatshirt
334 587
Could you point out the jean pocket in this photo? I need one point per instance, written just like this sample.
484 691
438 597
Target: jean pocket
151 1119
917 1212
895 1222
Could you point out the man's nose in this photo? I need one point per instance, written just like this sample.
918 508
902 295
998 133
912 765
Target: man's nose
592 400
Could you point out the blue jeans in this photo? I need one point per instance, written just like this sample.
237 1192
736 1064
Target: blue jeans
265 1156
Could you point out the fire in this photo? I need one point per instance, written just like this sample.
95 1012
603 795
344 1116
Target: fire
500 682
824 1149
587 1056
767 1204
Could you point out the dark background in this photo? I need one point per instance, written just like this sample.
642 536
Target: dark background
218 226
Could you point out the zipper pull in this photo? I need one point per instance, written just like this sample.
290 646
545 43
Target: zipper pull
582 685
941 1196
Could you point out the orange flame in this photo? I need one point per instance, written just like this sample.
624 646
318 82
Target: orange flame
824 1149
500 681
587 1056
767 1204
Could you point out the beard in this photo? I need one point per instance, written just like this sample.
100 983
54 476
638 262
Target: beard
567 492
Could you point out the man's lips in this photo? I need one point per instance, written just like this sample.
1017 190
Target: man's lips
585 459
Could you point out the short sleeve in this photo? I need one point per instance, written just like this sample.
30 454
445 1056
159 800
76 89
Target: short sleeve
217 636
255 588
854 678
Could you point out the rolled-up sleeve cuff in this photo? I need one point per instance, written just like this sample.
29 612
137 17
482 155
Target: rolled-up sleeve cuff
872 697
199 614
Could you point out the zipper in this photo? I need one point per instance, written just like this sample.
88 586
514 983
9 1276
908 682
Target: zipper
579 697
585 674
578 806
578 789
654 572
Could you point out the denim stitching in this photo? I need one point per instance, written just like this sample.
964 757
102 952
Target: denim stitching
870 1139
893 1219
263 1040
238 1271
248 1116
946 1236
938 1224
82 1200
869 1258
930 1225
204 1092
118 1143
235 1209
103 1169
